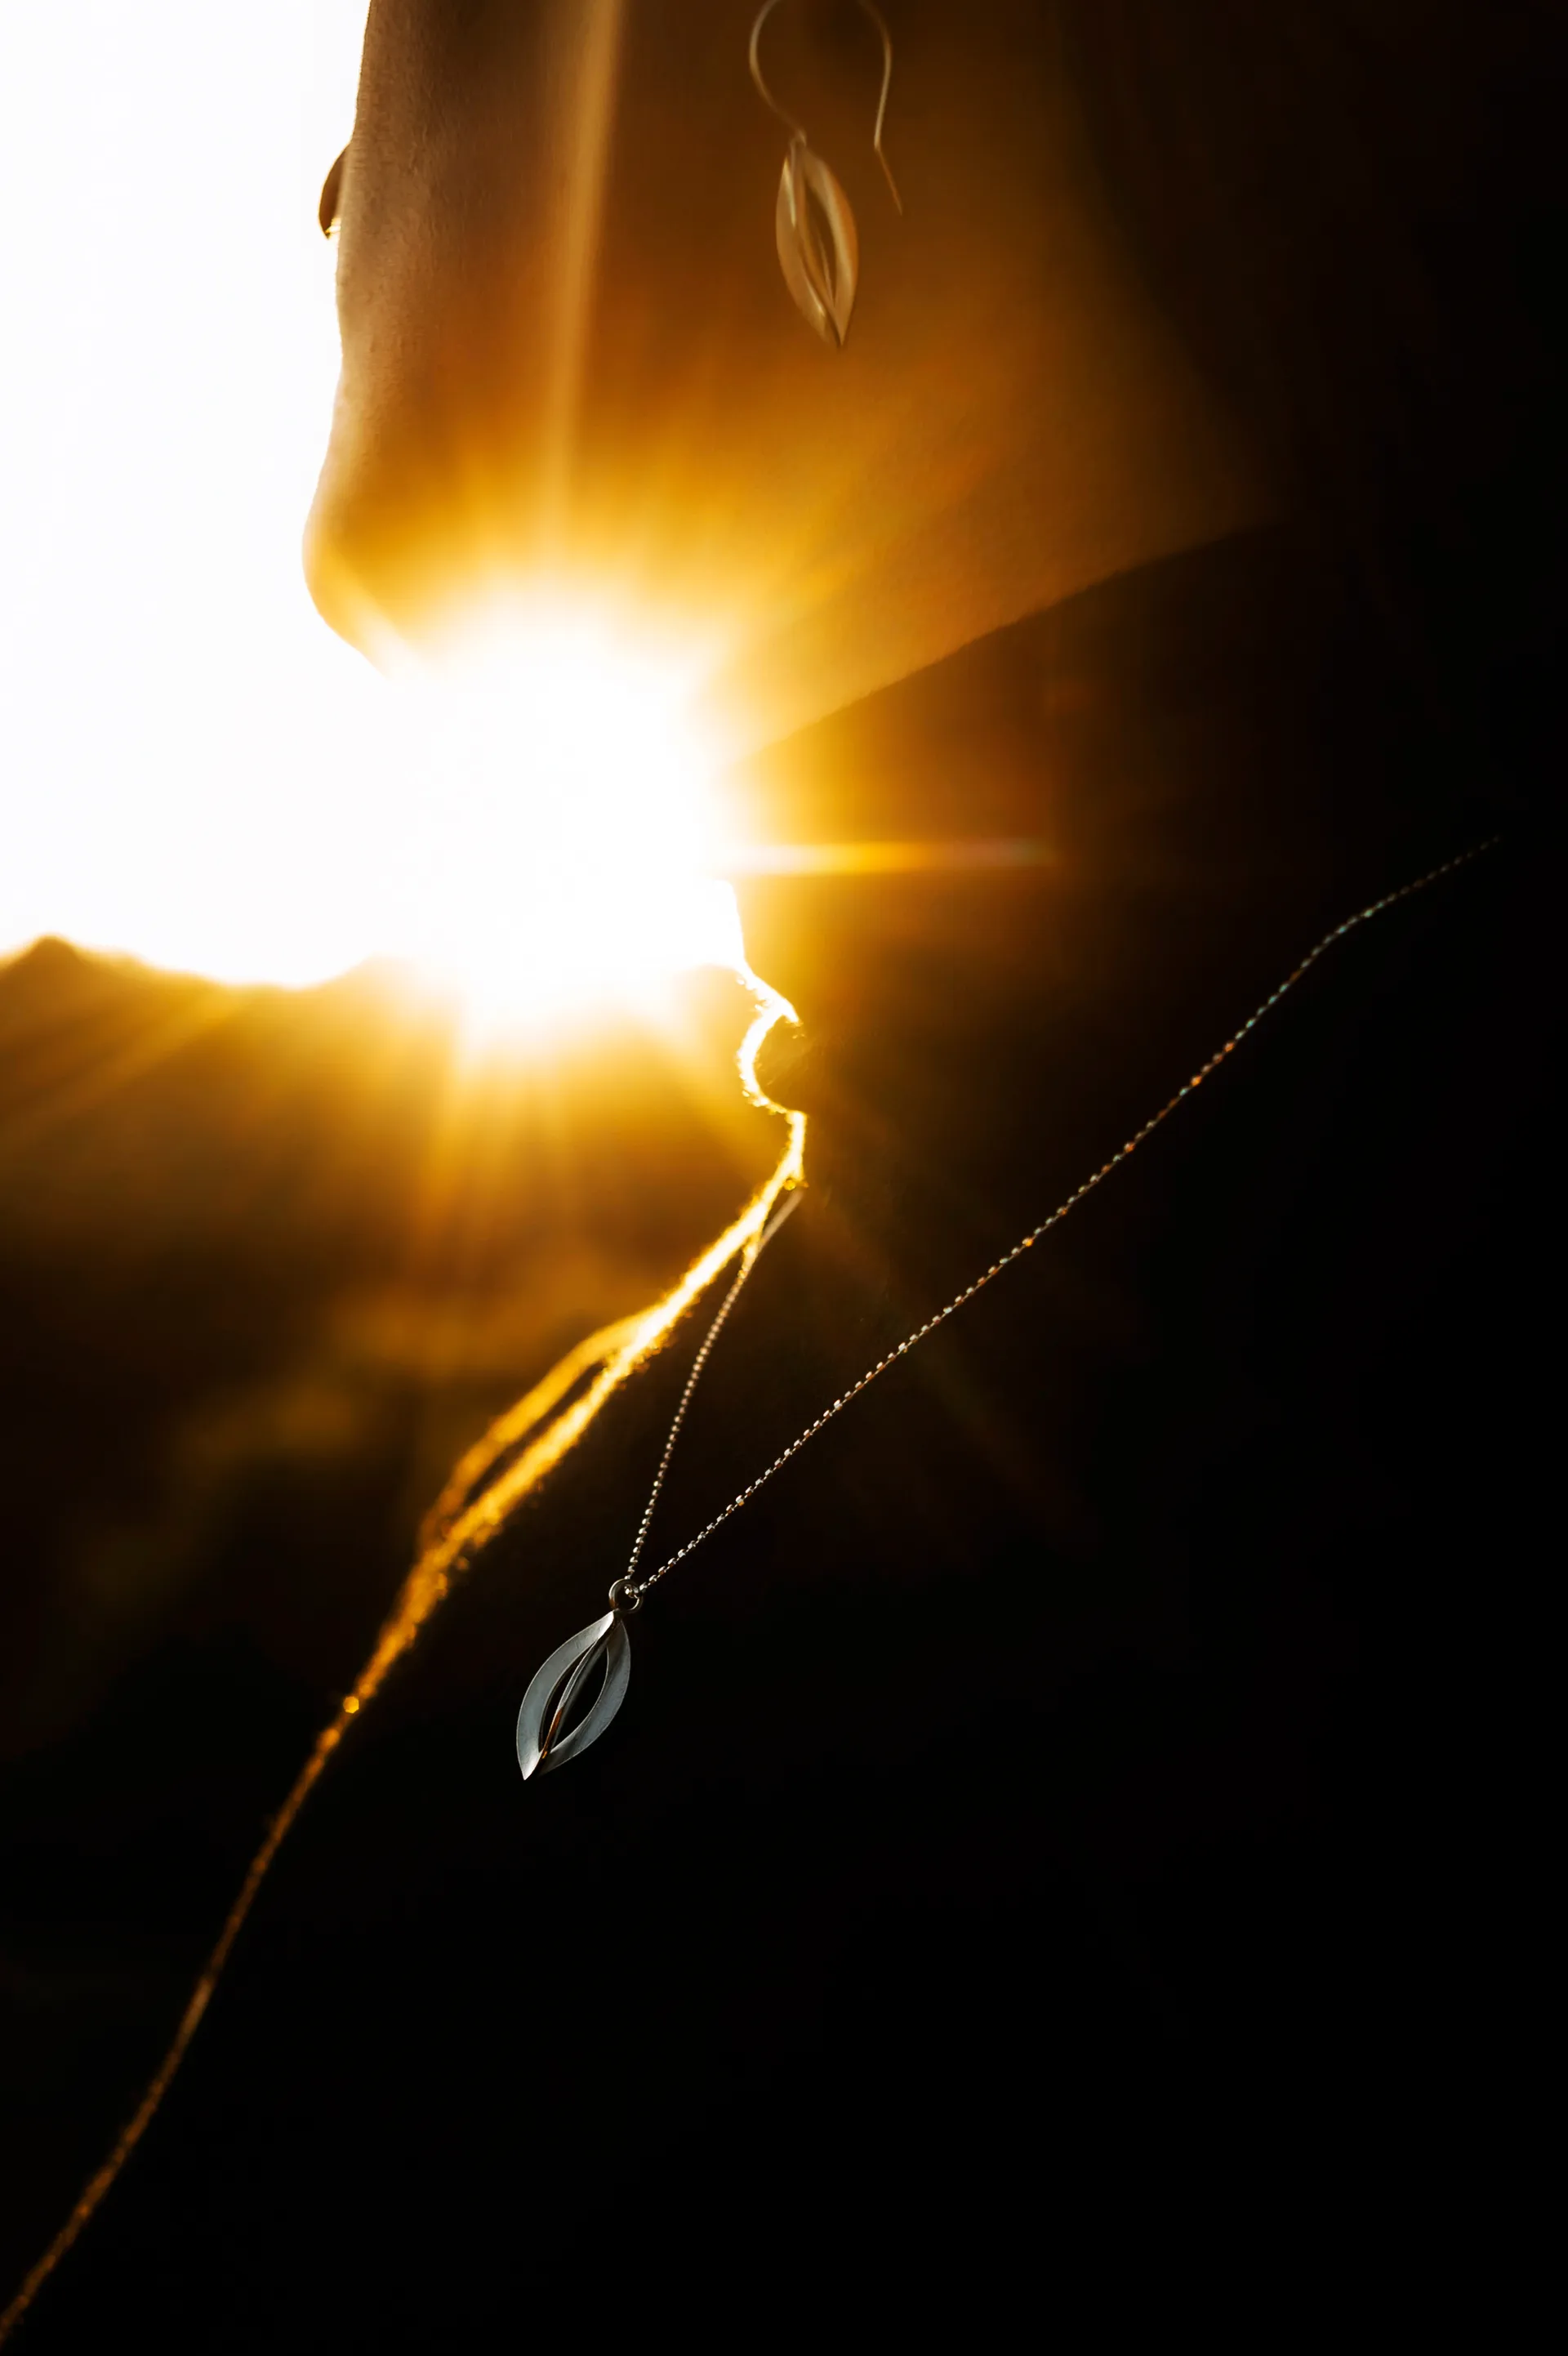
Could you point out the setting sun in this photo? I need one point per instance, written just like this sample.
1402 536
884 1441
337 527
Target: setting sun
555 834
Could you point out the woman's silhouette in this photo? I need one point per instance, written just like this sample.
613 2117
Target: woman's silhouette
1085 1792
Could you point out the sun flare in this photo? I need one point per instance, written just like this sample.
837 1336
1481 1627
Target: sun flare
556 845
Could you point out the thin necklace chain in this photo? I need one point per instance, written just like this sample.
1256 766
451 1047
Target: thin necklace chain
748 1262
630 1590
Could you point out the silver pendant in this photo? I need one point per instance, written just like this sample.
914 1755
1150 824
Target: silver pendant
819 252
544 1739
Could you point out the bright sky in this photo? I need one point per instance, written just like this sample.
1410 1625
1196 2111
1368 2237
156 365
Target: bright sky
192 768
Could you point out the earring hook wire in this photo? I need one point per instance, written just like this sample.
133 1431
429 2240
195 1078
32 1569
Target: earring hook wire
797 129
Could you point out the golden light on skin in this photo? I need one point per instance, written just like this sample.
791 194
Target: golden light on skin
195 772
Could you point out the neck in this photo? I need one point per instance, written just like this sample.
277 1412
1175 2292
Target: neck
1202 765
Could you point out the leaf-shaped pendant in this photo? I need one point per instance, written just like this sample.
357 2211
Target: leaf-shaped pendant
819 251
544 1736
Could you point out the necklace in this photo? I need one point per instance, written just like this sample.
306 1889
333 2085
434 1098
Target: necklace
548 1734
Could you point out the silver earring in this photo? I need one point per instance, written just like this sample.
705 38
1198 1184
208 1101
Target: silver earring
820 250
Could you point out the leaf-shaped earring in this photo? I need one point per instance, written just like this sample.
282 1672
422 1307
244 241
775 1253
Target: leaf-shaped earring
819 251
814 227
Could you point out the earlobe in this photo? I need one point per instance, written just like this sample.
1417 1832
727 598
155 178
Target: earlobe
331 203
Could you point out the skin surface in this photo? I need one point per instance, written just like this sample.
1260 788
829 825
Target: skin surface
570 361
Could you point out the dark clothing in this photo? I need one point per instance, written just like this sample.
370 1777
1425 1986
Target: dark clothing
1089 1785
